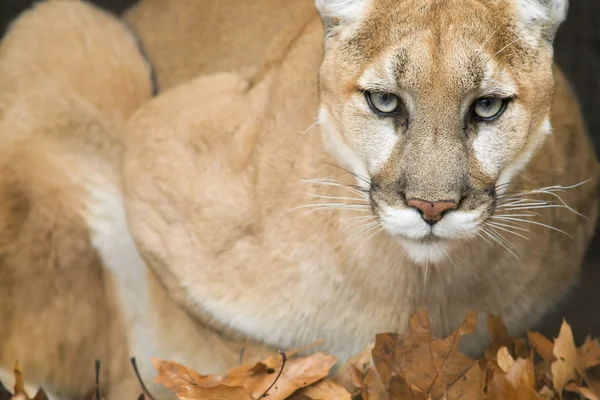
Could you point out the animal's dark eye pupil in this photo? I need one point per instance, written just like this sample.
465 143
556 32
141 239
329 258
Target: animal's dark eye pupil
486 103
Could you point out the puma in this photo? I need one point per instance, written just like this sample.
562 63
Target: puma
378 157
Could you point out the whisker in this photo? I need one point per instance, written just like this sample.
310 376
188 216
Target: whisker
532 222
534 207
532 214
330 206
361 229
508 226
331 182
496 226
359 218
319 196
357 176
497 240
306 131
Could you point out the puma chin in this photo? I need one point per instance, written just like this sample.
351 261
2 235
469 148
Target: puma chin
436 122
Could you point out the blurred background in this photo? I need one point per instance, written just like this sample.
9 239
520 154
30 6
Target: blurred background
578 53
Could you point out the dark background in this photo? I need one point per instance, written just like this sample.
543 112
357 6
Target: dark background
578 53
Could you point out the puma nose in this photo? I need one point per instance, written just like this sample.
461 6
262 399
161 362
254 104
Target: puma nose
432 212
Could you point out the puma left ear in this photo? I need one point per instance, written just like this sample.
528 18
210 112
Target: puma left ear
338 12
543 15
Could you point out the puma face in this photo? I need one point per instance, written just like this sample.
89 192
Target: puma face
438 105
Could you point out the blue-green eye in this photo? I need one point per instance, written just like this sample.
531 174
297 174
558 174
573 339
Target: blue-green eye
383 103
489 108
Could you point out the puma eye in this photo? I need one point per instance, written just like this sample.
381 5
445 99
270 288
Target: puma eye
489 108
383 103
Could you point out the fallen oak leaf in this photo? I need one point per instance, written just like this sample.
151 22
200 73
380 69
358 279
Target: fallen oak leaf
220 392
372 386
173 375
566 365
351 374
589 353
324 389
428 365
505 360
542 345
583 391
253 379
499 338
517 383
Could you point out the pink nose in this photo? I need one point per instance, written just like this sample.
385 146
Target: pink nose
432 212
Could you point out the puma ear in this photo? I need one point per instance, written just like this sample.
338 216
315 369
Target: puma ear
337 12
543 15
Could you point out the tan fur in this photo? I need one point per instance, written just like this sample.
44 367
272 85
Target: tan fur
70 75
213 178
212 174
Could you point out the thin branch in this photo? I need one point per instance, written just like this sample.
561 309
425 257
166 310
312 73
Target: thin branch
97 379
283 361
137 374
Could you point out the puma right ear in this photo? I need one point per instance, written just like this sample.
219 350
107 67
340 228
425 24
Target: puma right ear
338 12
543 16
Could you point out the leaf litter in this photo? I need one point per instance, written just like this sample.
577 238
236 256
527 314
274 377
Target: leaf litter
414 365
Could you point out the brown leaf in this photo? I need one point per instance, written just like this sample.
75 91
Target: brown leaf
505 360
427 365
173 376
220 392
542 345
351 374
253 379
469 386
373 388
589 353
584 391
496 328
564 369
516 346
325 389
517 383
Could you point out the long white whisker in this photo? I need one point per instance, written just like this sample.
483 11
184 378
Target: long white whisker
532 222
361 229
491 224
508 226
359 218
497 240
326 182
533 207
319 196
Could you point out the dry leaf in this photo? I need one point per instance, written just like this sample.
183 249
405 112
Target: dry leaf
517 383
567 362
325 389
351 374
542 345
373 388
584 391
589 353
505 360
516 346
250 380
427 365
220 392
173 376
